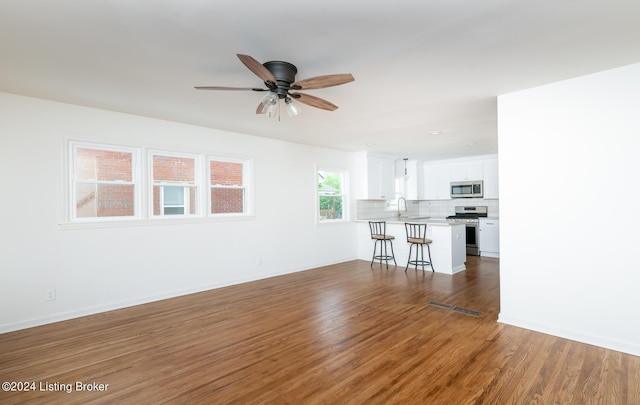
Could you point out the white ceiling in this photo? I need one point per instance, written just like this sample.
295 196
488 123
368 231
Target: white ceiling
420 65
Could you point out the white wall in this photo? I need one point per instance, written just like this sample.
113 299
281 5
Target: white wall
98 269
569 191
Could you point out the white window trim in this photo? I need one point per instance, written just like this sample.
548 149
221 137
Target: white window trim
70 157
197 184
247 181
345 195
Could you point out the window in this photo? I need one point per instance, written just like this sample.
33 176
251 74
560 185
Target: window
228 194
104 186
175 190
331 195
104 182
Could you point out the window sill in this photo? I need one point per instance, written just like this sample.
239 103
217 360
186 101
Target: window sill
125 223
333 221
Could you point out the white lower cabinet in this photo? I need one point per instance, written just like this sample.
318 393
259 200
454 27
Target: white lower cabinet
489 238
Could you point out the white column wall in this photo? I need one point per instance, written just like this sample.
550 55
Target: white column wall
569 186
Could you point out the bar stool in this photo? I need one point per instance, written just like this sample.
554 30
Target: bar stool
417 236
379 234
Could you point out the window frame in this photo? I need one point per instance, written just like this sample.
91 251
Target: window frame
344 195
197 184
247 186
136 181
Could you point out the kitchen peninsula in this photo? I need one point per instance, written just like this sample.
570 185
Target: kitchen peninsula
448 249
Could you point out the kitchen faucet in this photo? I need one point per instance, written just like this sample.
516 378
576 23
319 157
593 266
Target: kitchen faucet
405 205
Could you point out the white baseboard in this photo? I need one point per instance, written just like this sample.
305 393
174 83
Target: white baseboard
458 269
600 341
490 254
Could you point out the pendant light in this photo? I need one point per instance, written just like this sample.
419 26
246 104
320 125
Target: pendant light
406 173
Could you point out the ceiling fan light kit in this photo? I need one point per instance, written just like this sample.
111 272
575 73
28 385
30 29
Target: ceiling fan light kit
279 78
269 105
292 110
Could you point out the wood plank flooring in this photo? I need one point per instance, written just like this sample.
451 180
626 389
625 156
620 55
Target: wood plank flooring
342 334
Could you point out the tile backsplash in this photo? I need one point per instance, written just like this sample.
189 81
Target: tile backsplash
374 209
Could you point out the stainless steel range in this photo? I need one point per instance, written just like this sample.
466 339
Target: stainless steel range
470 217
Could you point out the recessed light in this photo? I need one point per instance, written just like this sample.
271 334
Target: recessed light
435 132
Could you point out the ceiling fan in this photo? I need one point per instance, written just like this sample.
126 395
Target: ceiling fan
279 78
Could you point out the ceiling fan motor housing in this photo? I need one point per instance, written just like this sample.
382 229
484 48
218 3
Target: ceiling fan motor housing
285 74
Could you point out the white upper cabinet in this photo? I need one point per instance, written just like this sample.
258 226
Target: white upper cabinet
467 171
379 178
414 180
490 168
437 178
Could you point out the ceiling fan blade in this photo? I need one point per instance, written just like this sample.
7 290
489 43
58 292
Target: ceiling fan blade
314 101
227 88
257 68
320 82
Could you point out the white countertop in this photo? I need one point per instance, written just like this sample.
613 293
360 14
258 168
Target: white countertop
437 221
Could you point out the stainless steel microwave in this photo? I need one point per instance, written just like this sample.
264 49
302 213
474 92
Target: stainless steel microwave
466 189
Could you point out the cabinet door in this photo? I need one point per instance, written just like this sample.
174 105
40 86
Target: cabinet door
374 189
458 172
379 178
430 182
489 236
444 182
387 179
467 171
437 179
414 188
491 178
475 170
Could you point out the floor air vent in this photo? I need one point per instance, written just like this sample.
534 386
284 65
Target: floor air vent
454 308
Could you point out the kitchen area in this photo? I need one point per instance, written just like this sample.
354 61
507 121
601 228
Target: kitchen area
457 198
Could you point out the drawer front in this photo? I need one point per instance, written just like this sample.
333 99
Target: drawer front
487 223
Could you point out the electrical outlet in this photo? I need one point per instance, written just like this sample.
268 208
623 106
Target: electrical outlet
50 294
259 261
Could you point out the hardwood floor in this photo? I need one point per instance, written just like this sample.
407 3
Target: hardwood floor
342 334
